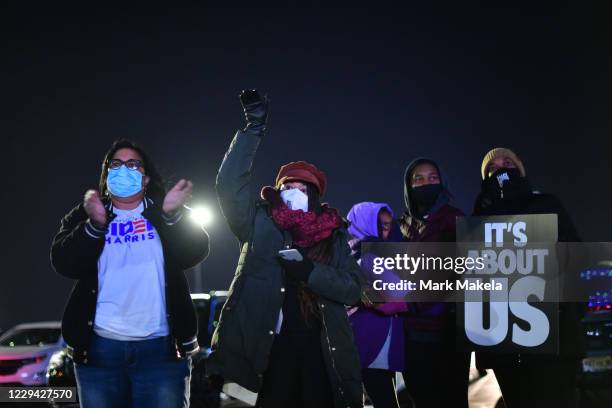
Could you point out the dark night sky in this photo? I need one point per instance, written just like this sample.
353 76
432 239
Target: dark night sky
359 92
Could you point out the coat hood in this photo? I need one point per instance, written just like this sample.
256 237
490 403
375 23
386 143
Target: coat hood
444 197
363 218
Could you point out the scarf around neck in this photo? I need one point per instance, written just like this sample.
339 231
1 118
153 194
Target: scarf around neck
306 228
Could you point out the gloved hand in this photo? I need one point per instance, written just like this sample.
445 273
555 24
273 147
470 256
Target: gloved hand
298 270
255 110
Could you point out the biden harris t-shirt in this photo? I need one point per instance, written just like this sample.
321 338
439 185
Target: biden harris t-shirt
131 280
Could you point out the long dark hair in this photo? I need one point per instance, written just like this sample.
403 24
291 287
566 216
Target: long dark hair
322 251
156 189
314 198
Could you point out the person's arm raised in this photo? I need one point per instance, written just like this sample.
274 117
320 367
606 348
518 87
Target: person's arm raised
234 177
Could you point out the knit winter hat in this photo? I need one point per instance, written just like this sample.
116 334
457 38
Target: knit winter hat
302 171
497 152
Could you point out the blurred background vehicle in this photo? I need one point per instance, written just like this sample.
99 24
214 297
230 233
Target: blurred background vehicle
208 308
60 369
595 381
25 351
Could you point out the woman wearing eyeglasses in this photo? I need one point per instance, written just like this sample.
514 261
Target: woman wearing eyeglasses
130 322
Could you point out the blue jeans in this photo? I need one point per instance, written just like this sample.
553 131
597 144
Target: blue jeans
133 374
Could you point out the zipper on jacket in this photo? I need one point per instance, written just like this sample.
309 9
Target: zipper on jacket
331 353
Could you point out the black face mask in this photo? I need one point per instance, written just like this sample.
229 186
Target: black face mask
425 197
506 184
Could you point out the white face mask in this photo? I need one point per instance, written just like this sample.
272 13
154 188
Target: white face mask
295 199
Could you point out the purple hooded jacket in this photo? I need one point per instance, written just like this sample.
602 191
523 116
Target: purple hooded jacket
371 325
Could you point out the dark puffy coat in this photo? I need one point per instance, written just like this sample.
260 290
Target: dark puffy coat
243 339
533 203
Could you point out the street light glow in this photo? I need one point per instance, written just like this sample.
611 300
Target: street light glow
201 215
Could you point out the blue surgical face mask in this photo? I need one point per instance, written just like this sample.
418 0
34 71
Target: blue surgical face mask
123 182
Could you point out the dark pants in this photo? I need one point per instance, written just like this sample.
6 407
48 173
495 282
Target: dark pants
380 386
436 375
540 383
133 374
296 375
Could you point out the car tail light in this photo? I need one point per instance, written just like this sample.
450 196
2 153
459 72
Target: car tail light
40 359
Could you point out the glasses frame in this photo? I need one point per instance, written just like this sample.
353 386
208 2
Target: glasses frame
129 164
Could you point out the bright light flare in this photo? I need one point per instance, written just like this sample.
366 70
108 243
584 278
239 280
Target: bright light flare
201 215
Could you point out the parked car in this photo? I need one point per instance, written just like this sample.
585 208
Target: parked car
208 308
60 371
25 351
595 380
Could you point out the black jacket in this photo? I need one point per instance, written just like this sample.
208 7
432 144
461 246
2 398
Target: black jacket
74 254
570 313
533 203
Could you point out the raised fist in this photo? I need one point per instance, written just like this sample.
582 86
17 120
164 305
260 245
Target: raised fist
255 109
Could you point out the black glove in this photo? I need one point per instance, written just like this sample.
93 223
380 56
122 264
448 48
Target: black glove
255 110
298 270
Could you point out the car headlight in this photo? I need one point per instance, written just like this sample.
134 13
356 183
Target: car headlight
57 359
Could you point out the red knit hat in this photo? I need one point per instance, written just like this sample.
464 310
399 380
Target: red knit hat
302 171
